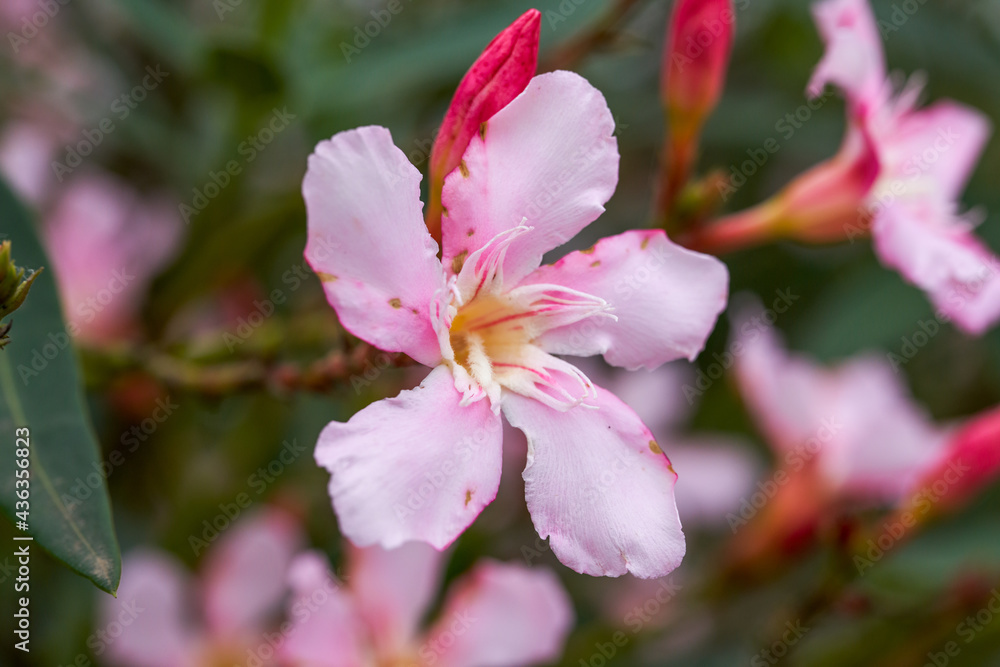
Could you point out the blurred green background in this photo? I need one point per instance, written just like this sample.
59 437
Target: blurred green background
231 63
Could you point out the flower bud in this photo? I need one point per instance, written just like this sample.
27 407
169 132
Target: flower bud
699 39
499 75
969 463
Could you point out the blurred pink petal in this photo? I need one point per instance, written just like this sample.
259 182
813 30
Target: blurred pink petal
327 629
856 420
415 467
665 298
243 577
501 615
714 473
149 623
599 487
26 150
960 274
548 161
392 591
368 243
107 243
853 60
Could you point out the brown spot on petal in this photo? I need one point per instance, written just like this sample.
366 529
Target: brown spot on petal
590 250
670 467
395 303
464 169
444 211
468 497
326 277
655 448
596 263
458 261
415 311
470 232
482 131
645 242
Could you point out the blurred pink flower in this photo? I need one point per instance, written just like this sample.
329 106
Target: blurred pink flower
107 243
163 617
423 465
926 157
496 615
855 422
898 175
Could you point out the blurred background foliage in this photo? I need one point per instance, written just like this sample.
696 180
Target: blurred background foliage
232 63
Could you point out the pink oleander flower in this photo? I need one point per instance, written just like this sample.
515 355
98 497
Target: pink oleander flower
163 617
926 157
423 465
898 175
107 243
499 75
497 614
843 437
856 422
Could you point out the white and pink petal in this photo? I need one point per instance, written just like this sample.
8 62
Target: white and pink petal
666 300
368 243
599 487
548 160
419 466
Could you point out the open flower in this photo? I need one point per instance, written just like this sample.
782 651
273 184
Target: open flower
423 465
897 176
162 619
926 157
497 614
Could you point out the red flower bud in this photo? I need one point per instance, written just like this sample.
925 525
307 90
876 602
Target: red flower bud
699 39
499 75
967 466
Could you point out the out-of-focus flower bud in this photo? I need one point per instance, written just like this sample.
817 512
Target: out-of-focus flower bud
499 75
969 463
14 286
695 59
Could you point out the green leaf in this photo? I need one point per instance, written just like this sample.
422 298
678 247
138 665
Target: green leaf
41 390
